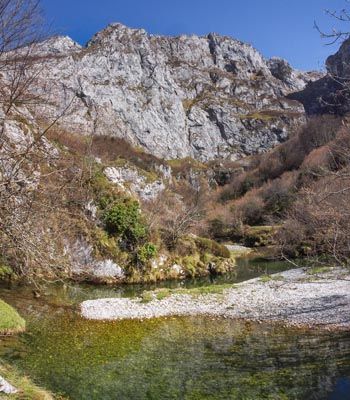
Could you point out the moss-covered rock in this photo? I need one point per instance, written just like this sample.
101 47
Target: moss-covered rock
212 247
195 254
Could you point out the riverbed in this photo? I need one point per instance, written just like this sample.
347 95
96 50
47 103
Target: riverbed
172 358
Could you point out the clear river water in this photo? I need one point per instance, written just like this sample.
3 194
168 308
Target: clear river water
173 358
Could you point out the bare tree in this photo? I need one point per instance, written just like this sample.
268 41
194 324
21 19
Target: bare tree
336 34
28 239
178 211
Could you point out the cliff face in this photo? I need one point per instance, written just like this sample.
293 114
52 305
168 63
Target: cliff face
330 94
203 97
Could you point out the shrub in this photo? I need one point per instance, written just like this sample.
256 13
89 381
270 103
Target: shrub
318 132
112 148
291 239
250 209
319 160
6 272
259 236
146 252
278 196
123 219
218 228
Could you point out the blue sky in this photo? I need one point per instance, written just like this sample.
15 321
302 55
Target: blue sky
275 27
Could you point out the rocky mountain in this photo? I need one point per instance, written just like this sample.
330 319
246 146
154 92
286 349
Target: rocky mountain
330 94
187 96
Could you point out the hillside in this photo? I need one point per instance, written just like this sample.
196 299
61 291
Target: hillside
131 158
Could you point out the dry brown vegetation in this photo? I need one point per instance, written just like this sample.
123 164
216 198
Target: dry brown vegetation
304 185
321 213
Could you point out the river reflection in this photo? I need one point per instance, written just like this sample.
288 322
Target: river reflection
175 358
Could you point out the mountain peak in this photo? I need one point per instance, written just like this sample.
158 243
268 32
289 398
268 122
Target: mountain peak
59 45
204 97
115 31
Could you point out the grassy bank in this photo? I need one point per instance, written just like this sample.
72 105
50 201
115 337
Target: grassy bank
27 390
10 321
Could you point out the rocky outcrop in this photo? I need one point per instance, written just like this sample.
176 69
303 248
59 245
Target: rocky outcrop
187 96
85 266
131 181
331 93
297 80
6 387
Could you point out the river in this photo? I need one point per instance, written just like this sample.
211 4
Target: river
174 358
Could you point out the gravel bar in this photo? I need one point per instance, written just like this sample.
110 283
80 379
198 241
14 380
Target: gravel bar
293 297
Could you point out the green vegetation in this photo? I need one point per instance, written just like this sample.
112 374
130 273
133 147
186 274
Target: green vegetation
184 164
146 252
27 390
210 246
257 236
318 270
195 253
123 218
258 116
6 272
268 115
242 252
10 321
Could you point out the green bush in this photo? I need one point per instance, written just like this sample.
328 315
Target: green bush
6 272
101 187
146 252
123 219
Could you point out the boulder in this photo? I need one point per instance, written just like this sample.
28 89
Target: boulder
6 387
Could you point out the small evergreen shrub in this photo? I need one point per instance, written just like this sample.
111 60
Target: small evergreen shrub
123 219
6 272
146 252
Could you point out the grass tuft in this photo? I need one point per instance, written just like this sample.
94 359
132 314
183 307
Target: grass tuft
10 321
318 270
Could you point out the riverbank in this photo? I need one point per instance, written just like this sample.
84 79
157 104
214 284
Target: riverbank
15 386
313 298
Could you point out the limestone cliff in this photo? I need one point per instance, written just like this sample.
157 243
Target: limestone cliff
187 96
